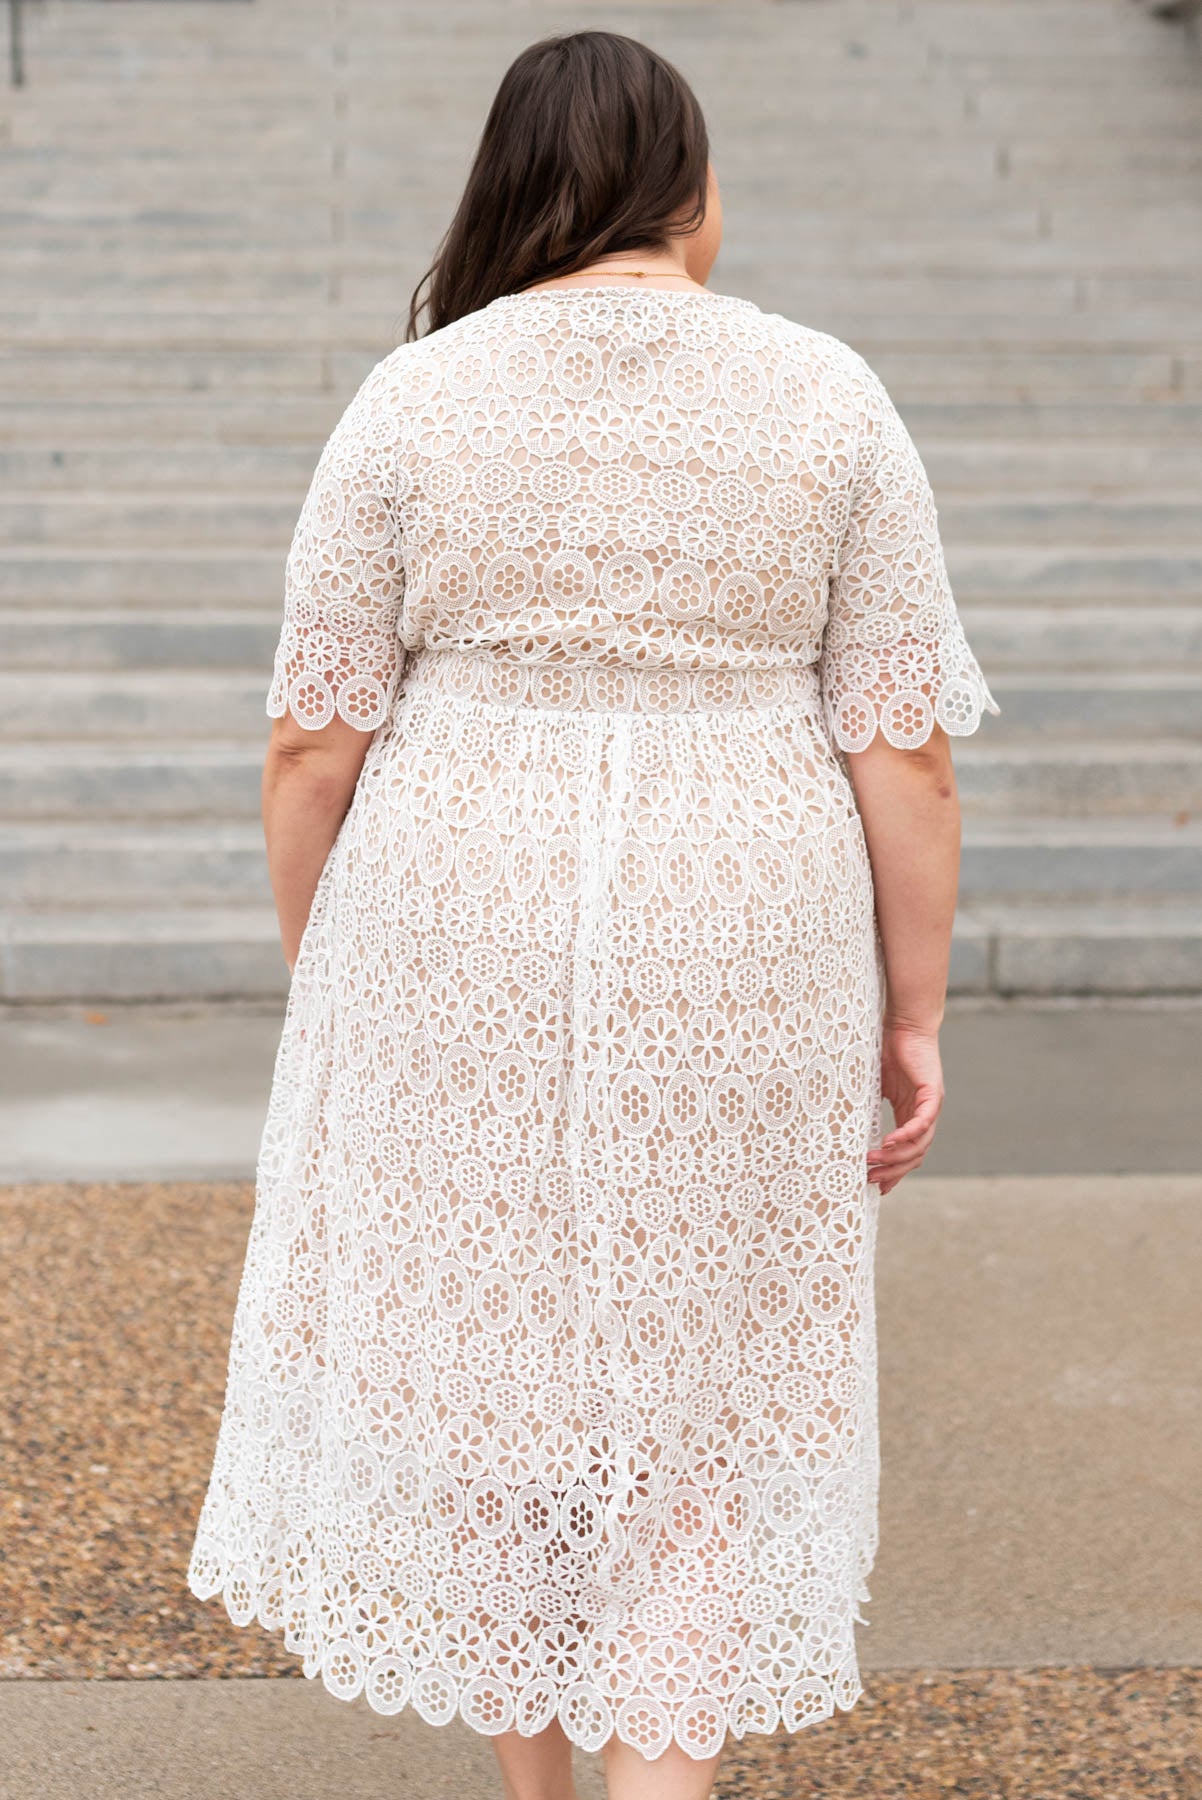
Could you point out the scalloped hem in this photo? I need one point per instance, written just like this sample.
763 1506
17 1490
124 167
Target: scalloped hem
908 718
328 713
587 1722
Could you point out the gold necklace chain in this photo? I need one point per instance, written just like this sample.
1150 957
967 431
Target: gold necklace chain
667 274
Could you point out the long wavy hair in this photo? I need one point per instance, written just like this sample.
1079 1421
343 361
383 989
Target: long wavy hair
593 145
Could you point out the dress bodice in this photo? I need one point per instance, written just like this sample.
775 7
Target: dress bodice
604 478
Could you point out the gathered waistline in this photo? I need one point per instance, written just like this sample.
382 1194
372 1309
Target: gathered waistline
508 681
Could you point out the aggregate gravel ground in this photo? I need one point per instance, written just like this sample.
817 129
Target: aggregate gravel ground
115 1342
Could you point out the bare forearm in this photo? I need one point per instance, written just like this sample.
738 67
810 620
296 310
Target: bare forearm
911 816
304 803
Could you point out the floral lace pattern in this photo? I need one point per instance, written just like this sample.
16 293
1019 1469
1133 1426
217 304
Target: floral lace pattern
552 1383
599 476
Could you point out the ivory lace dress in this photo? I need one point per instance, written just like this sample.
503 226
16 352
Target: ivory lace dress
552 1383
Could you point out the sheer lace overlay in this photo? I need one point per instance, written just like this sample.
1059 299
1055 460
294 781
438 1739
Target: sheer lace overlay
552 1384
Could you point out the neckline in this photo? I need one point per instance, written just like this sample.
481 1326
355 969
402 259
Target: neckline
612 287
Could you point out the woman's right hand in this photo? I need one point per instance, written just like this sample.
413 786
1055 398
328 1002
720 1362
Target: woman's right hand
912 1082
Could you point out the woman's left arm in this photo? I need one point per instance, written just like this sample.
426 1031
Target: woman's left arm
309 779
910 812
899 681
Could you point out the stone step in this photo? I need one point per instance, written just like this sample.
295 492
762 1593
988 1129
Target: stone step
137 519
844 97
984 374
1108 947
900 41
1053 28
1050 302
37 576
63 327
1039 67
1152 110
1081 859
982 28
180 342
1033 639
64 780
1041 638
1065 472
1087 779
167 704
143 953
1130 421
873 333
140 520
1051 705
48 864
1131 520
1059 296
241 639
219 780
1098 471
224 416
1021 235
1092 167
152 276
218 575
100 863
978 43
989 374
163 706
155 370
96 468
143 421
1068 572
1141 169
212 954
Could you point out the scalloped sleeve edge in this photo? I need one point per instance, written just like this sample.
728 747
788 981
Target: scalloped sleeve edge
362 701
956 698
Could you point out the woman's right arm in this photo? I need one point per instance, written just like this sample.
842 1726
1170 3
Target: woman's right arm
309 780
338 659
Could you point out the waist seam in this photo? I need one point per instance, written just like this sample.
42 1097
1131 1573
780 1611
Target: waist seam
505 683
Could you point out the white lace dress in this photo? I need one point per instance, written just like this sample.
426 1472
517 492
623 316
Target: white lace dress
552 1383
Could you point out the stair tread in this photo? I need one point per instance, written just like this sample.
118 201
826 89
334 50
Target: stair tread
175 359
118 922
1085 917
1140 829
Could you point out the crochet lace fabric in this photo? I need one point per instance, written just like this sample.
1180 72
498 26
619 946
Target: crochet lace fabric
609 477
552 1383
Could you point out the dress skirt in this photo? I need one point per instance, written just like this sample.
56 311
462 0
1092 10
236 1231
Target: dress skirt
552 1384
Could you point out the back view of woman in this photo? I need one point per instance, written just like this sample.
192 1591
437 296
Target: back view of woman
614 836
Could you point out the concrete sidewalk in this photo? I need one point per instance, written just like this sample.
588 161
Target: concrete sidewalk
179 1094
1076 1734
1041 1440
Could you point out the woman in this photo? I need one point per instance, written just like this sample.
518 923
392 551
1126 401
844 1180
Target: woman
615 840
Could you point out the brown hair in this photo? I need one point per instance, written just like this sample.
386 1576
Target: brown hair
593 145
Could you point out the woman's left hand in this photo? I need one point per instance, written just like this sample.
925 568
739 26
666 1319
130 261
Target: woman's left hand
912 1082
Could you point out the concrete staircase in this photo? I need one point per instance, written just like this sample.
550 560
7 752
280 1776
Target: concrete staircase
219 214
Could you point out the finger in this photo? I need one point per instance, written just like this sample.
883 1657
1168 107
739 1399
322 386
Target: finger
893 1150
887 1187
923 1119
889 1178
927 1101
885 1178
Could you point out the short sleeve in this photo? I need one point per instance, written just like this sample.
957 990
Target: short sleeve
894 654
339 651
